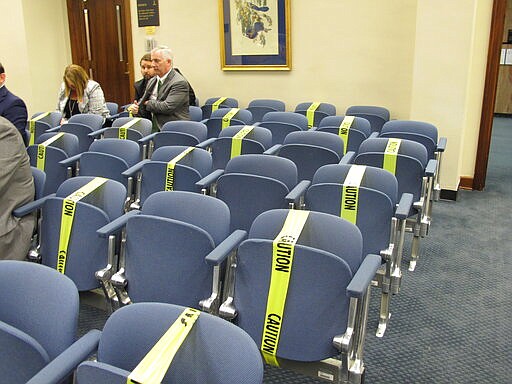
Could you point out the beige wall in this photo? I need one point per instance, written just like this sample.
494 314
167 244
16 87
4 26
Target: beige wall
48 50
343 52
449 69
13 52
423 59
35 49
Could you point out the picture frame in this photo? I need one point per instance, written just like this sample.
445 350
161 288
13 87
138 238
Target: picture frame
255 35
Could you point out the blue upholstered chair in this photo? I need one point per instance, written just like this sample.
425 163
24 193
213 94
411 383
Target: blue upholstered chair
260 107
40 123
282 123
218 120
39 181
112 107
414 172
38 324
196 113
179 132
151 174
66 145
214 351
256 141
309 150
107 158
358 131
85 254
252 184
376 209
214 103
323 110
423 133
325 306
376 115
163 258
92 120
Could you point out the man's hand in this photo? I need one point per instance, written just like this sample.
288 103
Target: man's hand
134 108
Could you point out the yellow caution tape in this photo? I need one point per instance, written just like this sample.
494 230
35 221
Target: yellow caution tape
169 174
217 103
344 130
310 113
123 130
67 217
32 126
282 261
154 366
236 141
350 197
390 154
226 120
41 150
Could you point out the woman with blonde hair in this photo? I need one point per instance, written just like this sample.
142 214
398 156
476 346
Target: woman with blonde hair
79 94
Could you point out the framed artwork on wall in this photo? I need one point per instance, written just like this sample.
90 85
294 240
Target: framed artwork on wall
255 35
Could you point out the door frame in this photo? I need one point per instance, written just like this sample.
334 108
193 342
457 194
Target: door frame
489 97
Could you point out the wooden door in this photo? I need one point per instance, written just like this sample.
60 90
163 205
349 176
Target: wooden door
101 42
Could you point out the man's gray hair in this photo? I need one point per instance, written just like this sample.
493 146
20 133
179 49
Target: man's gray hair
165 51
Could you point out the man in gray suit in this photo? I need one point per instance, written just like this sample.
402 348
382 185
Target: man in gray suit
16 189
166 95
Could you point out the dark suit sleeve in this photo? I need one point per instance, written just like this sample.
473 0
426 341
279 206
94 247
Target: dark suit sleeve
143 112
176 98
17 114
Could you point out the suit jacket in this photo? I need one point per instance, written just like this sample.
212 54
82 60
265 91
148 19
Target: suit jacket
140 87
172 100
16 189
93 100
14 110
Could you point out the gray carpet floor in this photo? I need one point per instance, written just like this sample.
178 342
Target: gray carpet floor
450 322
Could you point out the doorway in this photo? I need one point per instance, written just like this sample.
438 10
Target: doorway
101 42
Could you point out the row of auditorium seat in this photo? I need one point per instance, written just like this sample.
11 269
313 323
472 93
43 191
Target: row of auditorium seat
125 280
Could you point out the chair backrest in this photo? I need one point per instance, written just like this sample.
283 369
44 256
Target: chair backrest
376 200
282 123
328 250
309 150
229 102
39 127
376 115
421 132
161 268
86 252
187 172
323 110
64 147
252 184
143 125
38 318
214 351
109 158
196 113
258 140
39 181
259 107
411 161
112 107
359 131
92 120
214 123
81 131
52 119
181 132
